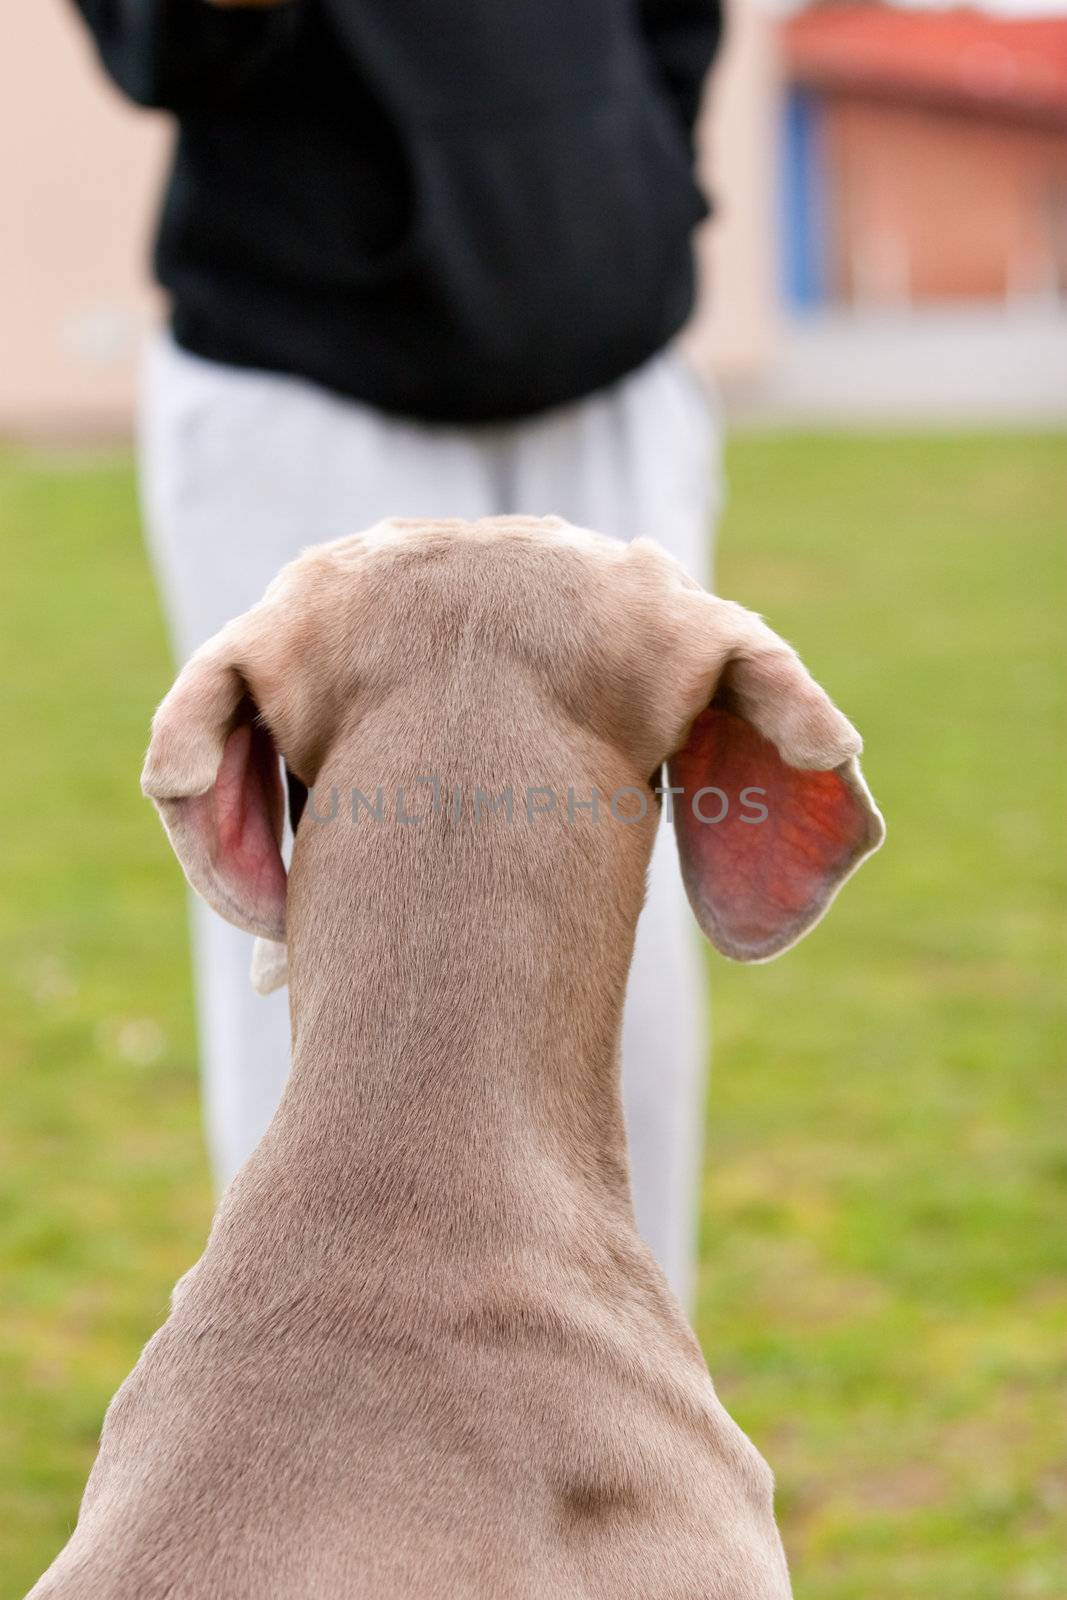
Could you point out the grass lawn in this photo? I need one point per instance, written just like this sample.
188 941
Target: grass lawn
883 1295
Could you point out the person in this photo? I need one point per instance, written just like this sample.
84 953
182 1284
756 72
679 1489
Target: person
426 261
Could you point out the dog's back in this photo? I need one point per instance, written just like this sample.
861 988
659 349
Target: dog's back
388 1427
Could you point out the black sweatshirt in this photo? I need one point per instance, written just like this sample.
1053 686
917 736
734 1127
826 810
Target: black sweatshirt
460 210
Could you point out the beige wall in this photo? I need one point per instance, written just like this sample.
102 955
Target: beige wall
79 173
736 330
78 176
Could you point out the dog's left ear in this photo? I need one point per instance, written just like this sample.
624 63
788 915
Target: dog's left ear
773 813
213 772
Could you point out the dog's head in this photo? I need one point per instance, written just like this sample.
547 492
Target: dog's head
609 649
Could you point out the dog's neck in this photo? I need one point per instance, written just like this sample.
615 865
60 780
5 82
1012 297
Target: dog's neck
457 990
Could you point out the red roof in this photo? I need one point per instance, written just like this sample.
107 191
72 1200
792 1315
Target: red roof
959 56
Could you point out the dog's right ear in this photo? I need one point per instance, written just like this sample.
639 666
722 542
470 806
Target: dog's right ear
212 770
769 737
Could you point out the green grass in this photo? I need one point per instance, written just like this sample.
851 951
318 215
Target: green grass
883 1295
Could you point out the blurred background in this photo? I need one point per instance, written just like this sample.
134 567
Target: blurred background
883 1294
890 242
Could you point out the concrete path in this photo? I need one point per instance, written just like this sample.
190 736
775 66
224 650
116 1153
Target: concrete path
986 367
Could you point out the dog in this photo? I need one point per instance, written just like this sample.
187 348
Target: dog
425 1354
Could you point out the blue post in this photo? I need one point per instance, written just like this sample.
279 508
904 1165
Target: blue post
803 203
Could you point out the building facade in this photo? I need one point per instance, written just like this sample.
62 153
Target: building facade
925 157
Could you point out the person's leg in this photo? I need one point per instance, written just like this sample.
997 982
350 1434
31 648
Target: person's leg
641 460
239 471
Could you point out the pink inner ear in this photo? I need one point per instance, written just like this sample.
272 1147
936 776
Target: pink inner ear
757 886
235 831
250 809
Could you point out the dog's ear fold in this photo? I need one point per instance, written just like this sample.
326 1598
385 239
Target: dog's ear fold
790 817
270 957
213 772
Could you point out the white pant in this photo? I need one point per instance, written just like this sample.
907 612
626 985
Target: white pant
239 471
